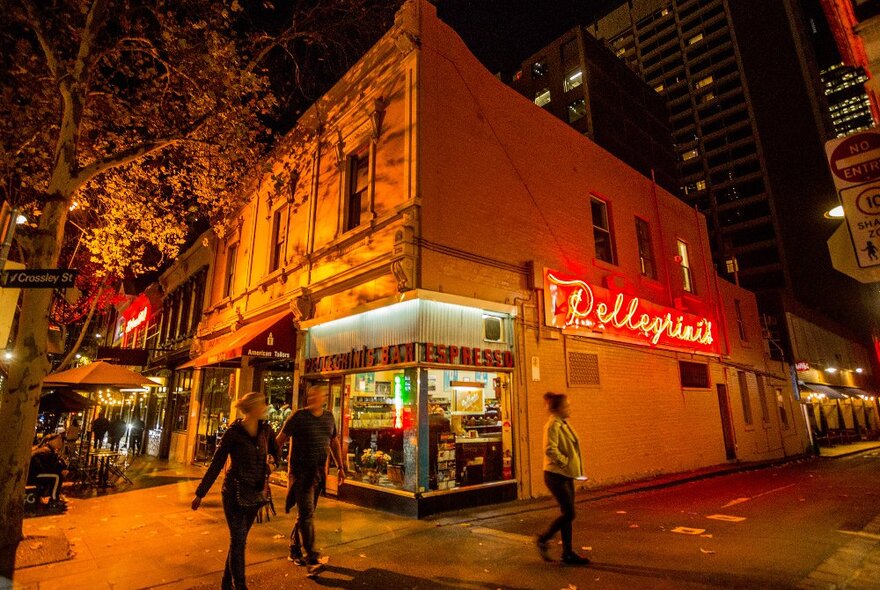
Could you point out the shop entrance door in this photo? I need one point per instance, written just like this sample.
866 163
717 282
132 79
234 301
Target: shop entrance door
335 407
726 424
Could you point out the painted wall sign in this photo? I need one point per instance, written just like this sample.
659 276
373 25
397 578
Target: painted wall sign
410 352
572 304
802 366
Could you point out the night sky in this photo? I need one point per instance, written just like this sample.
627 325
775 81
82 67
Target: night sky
502 33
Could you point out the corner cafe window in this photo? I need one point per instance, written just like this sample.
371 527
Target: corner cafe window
468 440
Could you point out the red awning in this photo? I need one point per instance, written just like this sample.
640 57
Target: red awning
270 338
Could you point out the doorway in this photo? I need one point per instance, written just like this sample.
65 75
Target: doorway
726 424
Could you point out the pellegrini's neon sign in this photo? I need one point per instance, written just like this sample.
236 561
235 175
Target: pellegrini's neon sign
574 304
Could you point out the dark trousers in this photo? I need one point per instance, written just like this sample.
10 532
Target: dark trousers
562 488
297 541
306 490
239 520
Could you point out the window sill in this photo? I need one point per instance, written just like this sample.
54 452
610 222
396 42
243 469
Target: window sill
651 283
610 266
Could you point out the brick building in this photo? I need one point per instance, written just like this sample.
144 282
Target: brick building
448 252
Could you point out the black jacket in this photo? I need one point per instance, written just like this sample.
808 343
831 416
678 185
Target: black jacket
248 454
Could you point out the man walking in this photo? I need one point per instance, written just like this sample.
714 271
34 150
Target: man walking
312 434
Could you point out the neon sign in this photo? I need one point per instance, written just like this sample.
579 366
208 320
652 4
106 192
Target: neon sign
575 305
136 321
137 313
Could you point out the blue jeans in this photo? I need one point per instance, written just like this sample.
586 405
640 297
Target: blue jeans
562 488
239 520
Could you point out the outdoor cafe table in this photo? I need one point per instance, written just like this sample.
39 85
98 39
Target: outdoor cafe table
101 458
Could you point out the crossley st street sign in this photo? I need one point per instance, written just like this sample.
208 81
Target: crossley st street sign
38 278
855 166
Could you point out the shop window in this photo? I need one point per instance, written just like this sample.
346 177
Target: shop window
181 388
762 399
218 388
602 235
693 375
572 80
577 110
740 324
583 369
646 252
229 274
744 395
279 235
542 97
357 201
687 280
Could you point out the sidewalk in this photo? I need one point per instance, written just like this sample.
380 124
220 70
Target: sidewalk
150 537
848 449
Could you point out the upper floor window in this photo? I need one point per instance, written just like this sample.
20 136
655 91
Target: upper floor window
542 97
572 80
570 52
646 252
687 280
229 276
602 234
577 110
358 180
703 82
539 69
279 236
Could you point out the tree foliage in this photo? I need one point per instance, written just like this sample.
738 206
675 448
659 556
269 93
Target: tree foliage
125 122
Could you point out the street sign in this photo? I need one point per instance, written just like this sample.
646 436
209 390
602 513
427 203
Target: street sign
855 159
855 166
38 278
861 206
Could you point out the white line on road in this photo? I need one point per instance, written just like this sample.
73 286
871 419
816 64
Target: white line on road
735 502
727 517
861 534
517 538
791 485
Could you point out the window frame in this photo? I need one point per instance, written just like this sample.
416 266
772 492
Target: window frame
649 245
706 383
353 161
278 240
740 322
745 399
567 85
687 277
608 231
230 270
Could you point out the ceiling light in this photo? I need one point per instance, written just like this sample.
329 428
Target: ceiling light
859 370
831 370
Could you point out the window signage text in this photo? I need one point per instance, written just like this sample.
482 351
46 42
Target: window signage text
410 352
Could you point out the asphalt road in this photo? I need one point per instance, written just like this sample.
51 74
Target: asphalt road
810 524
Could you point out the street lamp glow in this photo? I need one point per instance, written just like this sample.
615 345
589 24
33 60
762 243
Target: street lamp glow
97 335
20 219
835 213
859 370
831 370
7 355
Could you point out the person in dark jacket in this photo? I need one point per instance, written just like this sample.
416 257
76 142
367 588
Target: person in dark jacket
117 431
47 470
99 428
136 434
248 442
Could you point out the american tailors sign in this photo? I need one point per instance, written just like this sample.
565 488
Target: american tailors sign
575 305
411 352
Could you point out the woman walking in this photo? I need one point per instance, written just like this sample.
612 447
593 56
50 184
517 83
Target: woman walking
562 465
248 442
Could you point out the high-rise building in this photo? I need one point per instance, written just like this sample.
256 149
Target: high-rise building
848 103
582 83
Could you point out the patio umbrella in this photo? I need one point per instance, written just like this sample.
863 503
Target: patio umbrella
99 373
63 400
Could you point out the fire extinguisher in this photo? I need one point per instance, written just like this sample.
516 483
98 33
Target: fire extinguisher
507 466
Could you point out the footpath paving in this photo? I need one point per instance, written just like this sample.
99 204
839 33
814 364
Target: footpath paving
149 537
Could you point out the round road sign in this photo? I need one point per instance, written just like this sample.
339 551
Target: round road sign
857 158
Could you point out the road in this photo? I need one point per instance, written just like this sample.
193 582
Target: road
810 524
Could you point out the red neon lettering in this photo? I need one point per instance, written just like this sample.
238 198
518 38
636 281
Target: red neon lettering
385 355
508 358
442 353
496 358
465 355
453 355
487 358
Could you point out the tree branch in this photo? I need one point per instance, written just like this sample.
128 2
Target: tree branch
48 52
85 54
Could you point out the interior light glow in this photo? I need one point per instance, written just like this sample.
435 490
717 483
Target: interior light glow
831 370
20 219
859 370
835 213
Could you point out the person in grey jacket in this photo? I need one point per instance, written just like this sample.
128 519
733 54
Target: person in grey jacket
562 465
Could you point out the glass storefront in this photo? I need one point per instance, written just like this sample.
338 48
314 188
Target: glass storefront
217 391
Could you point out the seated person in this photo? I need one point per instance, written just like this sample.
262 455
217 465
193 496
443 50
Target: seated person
47 470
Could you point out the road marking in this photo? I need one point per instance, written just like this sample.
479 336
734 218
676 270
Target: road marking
735 502
791 485
727 517
517 538
861 534
684 530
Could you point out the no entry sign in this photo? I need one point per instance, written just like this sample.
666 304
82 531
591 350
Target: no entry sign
855 166
856 159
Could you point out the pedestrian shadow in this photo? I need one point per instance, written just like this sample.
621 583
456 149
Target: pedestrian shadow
713 579
345 578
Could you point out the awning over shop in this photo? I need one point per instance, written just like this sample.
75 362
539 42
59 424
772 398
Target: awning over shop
829 392
272 338
854 392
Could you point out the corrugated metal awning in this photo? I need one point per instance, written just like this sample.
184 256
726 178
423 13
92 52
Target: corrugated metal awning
828 391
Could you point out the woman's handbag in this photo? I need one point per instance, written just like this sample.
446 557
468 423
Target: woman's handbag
249 497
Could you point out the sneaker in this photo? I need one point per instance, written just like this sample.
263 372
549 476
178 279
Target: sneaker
313 569
575 559
296 556
543 548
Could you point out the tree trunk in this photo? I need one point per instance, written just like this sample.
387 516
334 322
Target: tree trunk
18 407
